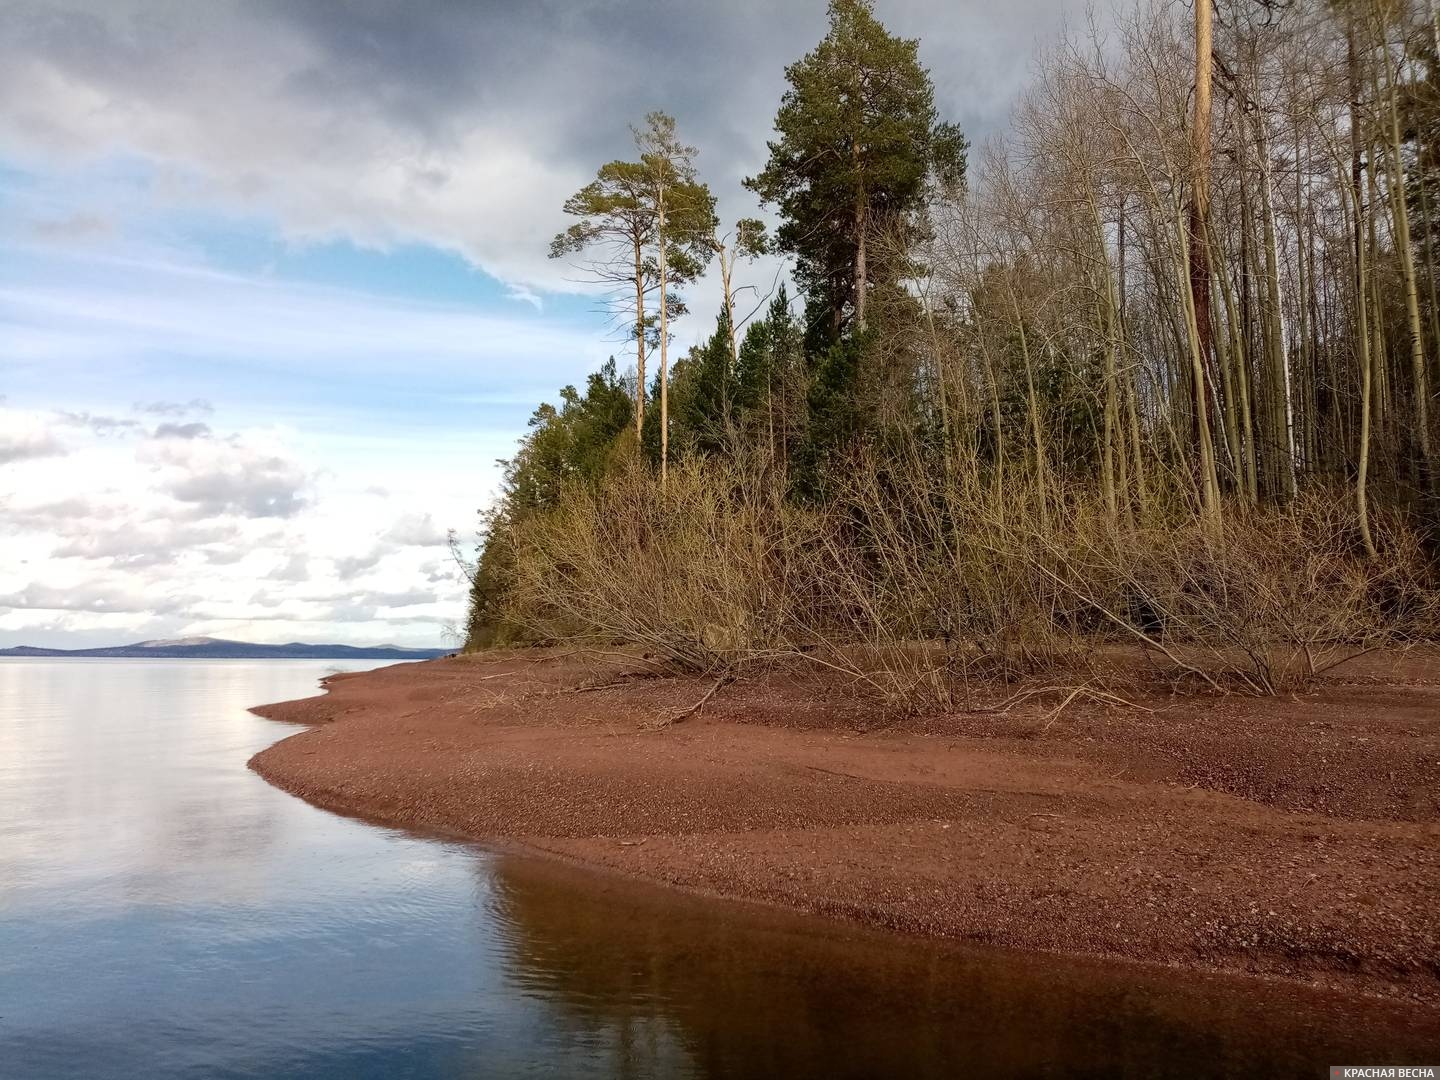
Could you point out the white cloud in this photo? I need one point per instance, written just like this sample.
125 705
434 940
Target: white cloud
78 227
230 477
175 408
416 530
100 425
70 310
92 596
295 568
350 566
141 537
458 126
171 430
24 445
141 544
464 126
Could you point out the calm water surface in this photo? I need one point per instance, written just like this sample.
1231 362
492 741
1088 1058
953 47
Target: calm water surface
166 913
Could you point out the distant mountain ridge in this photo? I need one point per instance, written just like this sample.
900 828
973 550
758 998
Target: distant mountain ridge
206 648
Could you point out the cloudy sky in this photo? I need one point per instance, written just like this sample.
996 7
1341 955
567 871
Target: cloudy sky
274 292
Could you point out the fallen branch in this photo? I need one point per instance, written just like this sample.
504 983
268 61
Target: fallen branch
592 687
1061 708
683 714
1015 699
659 665
626 678
1073 692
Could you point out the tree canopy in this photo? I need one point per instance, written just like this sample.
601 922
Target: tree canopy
859 146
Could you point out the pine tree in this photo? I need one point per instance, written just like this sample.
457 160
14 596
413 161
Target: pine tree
617 227
683 212
859 146
705 394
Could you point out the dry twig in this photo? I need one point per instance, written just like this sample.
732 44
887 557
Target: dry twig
683 714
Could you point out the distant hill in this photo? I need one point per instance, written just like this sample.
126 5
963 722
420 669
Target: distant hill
205 648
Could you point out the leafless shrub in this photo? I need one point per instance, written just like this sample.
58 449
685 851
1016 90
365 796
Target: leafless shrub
1265 601
706 571
925 590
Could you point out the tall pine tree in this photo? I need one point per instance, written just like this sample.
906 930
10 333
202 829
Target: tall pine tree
859 146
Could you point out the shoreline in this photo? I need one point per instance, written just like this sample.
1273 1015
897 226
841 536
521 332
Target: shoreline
1293 839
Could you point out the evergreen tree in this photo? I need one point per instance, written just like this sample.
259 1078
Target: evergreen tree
704 394
683 211
646 226
615 224
769 397
859 146
576 442
572 442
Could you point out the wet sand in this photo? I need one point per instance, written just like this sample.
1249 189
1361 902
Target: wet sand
1295 838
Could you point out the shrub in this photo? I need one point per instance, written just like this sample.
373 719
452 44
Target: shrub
919 586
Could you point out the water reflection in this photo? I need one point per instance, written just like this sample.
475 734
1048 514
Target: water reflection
658 980
165 913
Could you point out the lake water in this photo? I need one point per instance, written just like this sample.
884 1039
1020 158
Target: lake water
166 913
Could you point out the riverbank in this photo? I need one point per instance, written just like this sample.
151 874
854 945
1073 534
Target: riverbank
1294 837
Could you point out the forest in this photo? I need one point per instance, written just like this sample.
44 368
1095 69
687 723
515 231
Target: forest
1151 376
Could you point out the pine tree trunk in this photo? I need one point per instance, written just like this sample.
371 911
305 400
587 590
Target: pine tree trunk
861 227
860 267
1249 480
726 267
639 339
1362 351
664 345
1033 398
1109 319
1208 479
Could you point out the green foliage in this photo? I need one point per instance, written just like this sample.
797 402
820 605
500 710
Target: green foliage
859 144
611 207
975 454
490 587
574 442
836 419
616 228
702 405
751 240
770 356
719 406
625 212
670 188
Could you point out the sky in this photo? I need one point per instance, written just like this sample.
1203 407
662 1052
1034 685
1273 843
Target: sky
274 286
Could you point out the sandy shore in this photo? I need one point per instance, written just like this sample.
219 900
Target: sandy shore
1297 838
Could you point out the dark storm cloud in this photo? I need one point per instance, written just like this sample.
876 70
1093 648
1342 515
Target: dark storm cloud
572 73
462 123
